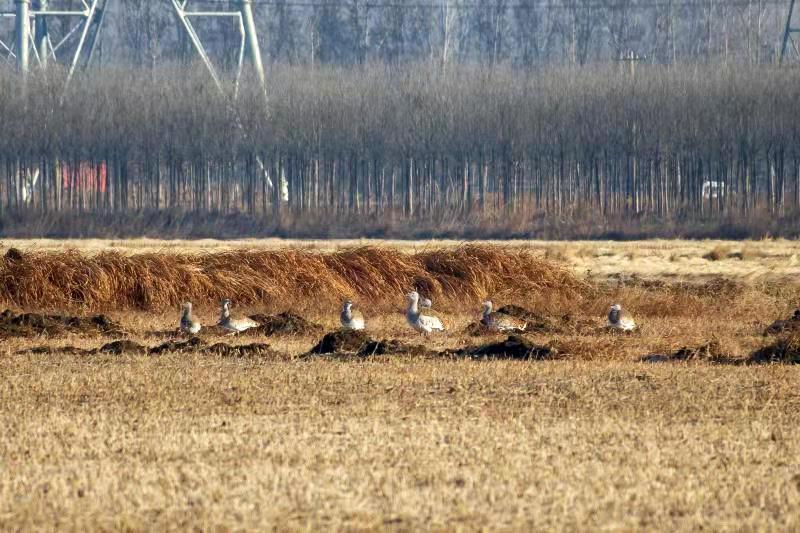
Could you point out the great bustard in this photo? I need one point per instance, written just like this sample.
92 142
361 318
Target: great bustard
350 318
619 319
500 321
233 325
188 323
418 321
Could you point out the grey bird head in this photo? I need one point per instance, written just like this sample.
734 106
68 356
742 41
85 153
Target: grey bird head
487 307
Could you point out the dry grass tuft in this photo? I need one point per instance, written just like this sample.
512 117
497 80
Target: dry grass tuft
718 253
454 277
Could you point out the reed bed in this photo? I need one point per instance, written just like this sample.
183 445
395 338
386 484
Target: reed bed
291 278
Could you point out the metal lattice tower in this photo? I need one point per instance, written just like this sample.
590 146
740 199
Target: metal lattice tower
790 30
32 37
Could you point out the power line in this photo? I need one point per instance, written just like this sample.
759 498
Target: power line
573 4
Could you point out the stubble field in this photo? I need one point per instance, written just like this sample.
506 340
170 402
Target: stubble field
590 438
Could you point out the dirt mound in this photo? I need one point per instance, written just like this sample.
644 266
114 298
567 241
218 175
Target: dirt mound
47 350
193 345
710 352
172 346
514 347
36 324
122 347
13 255
256 349
358 343
784 350
283 324
784 326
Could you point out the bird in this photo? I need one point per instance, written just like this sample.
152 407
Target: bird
233 325
188 323
423 323
500 321
780 326
619 319
425 303
350 318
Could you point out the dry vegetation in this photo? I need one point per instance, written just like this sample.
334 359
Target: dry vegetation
595 439
405 151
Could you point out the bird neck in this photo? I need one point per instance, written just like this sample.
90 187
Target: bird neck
413 307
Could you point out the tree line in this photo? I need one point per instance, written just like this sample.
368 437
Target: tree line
412 143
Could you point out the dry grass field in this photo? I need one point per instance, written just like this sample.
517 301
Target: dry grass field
594 439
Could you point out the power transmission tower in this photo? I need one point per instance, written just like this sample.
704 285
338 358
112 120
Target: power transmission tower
32 36
787 34
247 32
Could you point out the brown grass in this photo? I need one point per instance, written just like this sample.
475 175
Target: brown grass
159 281
596 440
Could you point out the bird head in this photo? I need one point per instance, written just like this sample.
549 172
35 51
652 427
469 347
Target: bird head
616 308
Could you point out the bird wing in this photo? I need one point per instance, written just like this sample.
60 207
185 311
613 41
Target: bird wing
432 322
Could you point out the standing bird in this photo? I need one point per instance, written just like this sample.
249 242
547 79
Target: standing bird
422 323
188 323
500 321
349 318
233 325
619 319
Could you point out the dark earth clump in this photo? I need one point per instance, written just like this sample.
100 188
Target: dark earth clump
358 343
245 350
47 350
283 324
785 350
36 324
13 255
514 347
784 326
122 347
710 352
172 346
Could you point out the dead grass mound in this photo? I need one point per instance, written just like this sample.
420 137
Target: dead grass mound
454 277
785 350
711 352
514 347
351 343
36 324
283 324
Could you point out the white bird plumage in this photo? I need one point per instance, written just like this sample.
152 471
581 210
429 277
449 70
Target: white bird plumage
188 323
350 318
619 319
422 323
233 325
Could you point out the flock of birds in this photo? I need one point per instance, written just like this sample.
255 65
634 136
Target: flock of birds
418 316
